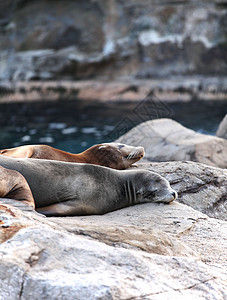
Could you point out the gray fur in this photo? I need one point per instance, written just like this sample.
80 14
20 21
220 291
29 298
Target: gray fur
63 188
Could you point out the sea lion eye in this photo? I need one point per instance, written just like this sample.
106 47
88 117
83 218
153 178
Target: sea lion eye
120 146
150 194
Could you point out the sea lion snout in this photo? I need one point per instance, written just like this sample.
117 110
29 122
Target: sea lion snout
170 196
134 152
174 193
140 152
122 156
154 188
128 151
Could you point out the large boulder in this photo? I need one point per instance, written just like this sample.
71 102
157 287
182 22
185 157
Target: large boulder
83 258
167 140
200 186
222 129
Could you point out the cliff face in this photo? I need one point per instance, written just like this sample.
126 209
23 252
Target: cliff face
81 39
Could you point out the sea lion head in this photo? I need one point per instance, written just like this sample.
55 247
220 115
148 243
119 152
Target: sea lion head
151 187
116 155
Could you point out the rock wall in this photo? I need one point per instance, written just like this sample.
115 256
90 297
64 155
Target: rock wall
82 39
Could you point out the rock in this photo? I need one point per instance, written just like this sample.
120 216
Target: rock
222 129
81 257
127 89
131 237
167 140
34 64
111 39
177 220
202 187
147 251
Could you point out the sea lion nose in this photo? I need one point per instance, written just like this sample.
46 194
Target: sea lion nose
142 151
174 194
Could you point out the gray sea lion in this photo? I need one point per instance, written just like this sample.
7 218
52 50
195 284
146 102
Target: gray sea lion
63 189
112 155
14 186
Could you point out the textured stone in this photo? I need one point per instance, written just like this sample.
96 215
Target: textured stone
111 38
167 140
178 221
144 91
202 187
126 236
147 251
70 258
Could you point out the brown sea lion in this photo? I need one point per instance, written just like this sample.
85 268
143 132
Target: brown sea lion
112 155
64 189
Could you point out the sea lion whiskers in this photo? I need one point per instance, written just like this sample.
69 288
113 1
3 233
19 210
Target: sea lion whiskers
132 154
136 153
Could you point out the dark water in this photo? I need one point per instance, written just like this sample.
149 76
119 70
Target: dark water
74 125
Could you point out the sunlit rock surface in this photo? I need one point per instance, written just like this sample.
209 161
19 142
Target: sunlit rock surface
167 140
150 251
112 256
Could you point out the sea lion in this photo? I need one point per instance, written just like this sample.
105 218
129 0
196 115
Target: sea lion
112 155
14 186
66 189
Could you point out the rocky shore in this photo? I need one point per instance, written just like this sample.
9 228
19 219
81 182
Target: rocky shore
183 89
146 251
115 51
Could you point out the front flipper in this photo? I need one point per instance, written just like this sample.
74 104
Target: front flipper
62 209
22 205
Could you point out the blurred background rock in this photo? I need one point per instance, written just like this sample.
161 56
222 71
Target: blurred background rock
51 39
